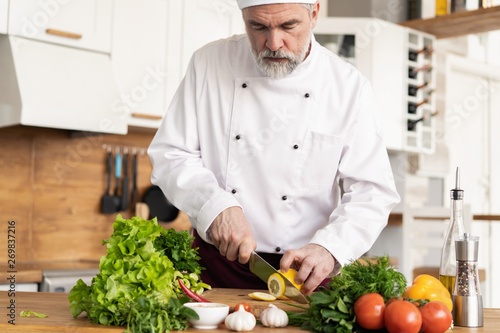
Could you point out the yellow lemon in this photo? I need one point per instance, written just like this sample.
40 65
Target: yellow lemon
290 275
276 283
262 296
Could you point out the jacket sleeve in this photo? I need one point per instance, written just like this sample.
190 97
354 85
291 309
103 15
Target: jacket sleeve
177 165
369 192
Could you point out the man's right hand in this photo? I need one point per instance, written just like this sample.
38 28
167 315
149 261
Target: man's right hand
232 235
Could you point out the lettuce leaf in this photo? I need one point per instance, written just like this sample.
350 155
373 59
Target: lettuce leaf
134 269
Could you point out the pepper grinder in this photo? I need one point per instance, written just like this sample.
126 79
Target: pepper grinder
467 299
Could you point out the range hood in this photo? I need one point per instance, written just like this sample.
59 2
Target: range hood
49 85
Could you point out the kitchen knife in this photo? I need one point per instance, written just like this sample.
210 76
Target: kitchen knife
264 270
135 191
125 194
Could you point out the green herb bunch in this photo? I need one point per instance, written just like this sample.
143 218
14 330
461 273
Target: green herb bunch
137 275
177 247
147 315
331 310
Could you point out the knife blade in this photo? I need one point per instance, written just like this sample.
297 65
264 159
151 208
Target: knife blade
263 270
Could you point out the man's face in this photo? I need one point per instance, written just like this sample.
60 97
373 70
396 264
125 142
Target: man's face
280 35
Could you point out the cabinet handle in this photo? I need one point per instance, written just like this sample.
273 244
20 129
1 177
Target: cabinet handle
63 33
146 116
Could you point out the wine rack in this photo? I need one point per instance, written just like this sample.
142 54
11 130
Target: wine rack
400 63
421 100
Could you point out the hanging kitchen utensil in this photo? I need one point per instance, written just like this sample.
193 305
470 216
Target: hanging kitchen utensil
142 210
135 191
124 194
118 175
108 205
158 205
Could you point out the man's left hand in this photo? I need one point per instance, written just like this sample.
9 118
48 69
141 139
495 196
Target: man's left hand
314 264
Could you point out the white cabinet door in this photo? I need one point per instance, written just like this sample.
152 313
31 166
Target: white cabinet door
201 22
78 23
192 24
467 132
206 21
153 41
139 60
4 11
58 92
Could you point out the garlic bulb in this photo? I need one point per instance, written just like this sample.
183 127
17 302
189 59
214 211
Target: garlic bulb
240 320
274 317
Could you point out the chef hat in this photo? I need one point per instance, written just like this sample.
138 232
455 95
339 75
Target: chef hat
248 3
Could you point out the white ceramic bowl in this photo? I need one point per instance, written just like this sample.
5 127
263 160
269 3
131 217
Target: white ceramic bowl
211 314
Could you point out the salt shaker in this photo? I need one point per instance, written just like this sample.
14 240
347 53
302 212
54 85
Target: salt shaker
467 299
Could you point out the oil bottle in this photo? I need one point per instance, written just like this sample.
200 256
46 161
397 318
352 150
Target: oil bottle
447 269
441 7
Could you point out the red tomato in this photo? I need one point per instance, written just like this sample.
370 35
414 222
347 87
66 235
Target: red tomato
436 317
245 306
402 317
369 311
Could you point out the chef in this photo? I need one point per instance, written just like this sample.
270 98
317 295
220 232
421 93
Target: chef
271 144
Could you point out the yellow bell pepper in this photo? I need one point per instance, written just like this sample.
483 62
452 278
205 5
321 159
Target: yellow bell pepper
428 287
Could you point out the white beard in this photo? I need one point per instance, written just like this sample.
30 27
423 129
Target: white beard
276 69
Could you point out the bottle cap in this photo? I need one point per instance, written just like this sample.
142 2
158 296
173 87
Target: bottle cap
457 194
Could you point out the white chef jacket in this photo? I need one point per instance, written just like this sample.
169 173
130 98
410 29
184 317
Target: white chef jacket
277 148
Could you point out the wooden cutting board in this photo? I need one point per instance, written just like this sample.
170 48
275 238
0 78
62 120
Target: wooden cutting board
232 297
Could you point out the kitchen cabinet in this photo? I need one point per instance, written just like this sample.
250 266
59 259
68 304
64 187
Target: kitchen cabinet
470 130
400 65
56 67
78 23
4 11
139 59
48 85
201 22
153 41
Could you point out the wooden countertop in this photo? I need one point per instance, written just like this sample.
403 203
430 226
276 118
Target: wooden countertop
396 219
56 306
31 272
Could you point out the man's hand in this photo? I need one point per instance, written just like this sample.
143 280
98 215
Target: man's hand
313 262
232 235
